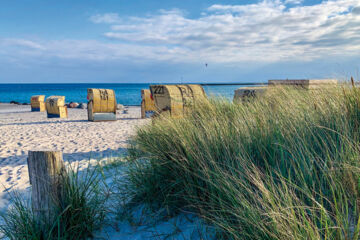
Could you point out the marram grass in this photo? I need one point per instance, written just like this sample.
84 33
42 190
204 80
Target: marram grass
80 213
285 166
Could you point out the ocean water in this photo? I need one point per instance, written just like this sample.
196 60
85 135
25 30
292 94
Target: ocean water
126 94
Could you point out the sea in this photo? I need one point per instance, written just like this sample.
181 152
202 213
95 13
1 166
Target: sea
126 94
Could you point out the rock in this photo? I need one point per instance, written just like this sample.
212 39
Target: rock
82 106
14 102
119 107
73 105
25 104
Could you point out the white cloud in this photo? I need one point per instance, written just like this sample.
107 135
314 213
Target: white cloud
261 7
23 43
294 1
265 31
268 31
84 50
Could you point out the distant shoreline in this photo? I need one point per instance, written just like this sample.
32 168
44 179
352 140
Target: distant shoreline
126 94
8 104
202 84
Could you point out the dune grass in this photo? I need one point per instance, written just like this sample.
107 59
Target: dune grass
80 213
285 166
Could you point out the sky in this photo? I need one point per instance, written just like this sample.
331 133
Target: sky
141 41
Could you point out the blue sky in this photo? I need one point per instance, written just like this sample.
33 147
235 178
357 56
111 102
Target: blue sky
170 41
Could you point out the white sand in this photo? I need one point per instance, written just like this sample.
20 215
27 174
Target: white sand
78 139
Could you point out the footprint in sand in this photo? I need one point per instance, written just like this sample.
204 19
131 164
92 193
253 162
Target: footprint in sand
19 170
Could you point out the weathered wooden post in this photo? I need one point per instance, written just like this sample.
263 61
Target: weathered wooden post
143 113
46 171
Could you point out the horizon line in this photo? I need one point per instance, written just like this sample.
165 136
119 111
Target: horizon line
199 83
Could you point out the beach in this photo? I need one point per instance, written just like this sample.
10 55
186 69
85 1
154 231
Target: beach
80 140
221 170
180 120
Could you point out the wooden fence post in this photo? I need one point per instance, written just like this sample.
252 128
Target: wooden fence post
143 113
46 171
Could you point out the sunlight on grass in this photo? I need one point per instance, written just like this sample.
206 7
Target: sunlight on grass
285 166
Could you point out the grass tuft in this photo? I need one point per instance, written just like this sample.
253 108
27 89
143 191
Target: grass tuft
80 213
285 166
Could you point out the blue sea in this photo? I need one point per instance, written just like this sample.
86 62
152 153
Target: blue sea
126 94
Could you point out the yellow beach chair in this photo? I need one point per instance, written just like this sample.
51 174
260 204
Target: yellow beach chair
245 93
176 99
55 107
101 105
38 103
147 103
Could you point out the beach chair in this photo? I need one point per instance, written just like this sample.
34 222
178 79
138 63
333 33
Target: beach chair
147 103
37 103
101 105
55 107
176 100
307 84
246 93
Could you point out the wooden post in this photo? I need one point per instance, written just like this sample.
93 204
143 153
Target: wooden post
46 171
143 113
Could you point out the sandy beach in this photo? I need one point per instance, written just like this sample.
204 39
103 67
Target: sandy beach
80 140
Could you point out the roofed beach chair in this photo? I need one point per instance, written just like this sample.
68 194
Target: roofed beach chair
147 103
55 107
37 103
176 100
101 105
246 93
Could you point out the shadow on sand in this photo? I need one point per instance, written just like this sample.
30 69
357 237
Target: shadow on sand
6 194
17 160
61 121
40 123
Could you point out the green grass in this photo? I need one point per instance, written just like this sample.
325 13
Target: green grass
80 213
285 166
